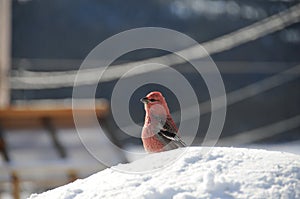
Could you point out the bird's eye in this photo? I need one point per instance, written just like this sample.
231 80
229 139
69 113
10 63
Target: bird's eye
152 100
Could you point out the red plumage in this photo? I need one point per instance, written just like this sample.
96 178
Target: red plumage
159 131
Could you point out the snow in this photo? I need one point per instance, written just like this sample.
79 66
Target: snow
193 172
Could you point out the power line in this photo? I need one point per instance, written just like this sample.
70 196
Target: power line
247 91
225 67
261 132
44 80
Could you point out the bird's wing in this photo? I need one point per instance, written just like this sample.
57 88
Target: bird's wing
169 137
167 134
170 126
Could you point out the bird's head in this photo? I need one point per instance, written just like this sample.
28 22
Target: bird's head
155 99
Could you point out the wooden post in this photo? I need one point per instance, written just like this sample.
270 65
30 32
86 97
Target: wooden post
15 183
53 133
3 148
72 175
5 51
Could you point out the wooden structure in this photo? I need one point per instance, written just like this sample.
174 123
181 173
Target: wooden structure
5 48
39 114
49 115
46 115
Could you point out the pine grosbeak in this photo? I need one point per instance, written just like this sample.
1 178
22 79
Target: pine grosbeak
159 131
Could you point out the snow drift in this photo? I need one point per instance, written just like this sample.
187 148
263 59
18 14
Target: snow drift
221 173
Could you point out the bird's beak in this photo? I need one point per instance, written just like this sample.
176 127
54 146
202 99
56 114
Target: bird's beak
145 100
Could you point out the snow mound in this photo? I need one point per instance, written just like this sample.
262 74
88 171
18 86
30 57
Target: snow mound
221 173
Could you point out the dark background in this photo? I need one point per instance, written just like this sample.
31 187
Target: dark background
56 35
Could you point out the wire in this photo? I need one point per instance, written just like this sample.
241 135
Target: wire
261 132
247 91
46 80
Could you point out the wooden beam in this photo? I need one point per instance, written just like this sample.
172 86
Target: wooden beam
5 51
30 115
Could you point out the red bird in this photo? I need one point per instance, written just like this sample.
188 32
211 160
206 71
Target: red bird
159 132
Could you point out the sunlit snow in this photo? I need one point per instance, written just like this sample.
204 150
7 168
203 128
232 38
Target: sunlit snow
220 173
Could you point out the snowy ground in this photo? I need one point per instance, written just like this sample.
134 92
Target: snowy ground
221 173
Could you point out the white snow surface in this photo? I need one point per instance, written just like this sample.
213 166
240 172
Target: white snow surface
220 173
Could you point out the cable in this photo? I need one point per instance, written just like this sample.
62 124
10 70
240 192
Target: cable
261 132
247 91
46 80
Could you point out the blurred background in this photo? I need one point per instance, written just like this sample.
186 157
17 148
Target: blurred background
255 45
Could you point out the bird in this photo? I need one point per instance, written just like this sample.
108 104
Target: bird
159 132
